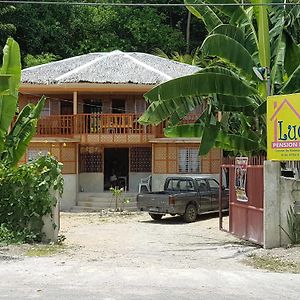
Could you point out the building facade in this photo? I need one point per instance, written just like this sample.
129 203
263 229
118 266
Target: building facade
90 122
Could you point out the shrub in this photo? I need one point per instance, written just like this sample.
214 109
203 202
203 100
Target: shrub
27 193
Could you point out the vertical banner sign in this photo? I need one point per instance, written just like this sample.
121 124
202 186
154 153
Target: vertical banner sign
240 177
283 127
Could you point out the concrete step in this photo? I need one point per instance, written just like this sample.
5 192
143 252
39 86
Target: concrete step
103 197
80 208
106 204
100 201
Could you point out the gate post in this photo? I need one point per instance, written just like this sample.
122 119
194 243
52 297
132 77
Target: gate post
271 204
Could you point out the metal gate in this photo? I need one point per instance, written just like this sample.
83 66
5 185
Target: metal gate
245 218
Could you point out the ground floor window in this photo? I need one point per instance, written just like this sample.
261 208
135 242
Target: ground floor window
189 161
90 159
140 159
33 154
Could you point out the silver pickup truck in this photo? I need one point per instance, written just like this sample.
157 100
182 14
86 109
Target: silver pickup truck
186 196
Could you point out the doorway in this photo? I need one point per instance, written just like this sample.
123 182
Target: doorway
118 106
92 106
66 108
116 162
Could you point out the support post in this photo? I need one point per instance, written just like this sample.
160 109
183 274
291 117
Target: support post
272 204
75 104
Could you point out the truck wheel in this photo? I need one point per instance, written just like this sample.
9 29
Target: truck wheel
155 216
190 214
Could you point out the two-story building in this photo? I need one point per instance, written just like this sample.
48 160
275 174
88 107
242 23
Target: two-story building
90 123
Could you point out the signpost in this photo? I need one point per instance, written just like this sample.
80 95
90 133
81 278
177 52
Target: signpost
283 127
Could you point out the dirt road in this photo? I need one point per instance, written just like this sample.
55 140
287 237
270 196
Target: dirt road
132 257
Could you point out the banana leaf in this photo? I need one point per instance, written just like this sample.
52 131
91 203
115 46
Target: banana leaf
230 50
159 111
10 75
263 32
186 130
205 13
210 133
293 83
292 56
22 132
201 84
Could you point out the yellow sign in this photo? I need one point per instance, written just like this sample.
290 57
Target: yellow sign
283 127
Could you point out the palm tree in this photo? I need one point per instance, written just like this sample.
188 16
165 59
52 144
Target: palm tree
255 36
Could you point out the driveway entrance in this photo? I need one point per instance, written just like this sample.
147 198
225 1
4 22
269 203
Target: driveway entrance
246 218
131 257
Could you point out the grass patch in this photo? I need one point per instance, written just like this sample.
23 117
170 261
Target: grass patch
45 250
271 263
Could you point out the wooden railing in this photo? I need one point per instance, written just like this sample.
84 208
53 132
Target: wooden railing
66 125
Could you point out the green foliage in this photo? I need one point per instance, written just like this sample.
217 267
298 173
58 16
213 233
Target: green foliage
40 59
116 193
27 193
293 221
252 37
191 59
42 28
15 138
7 29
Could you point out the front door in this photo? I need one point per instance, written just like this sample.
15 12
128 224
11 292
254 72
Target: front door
116 167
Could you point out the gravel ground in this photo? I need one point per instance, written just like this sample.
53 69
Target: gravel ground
137 240
130 256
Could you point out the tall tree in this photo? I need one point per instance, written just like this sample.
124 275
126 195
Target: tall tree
68 30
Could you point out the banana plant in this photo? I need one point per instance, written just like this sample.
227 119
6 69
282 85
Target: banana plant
14 138
255 36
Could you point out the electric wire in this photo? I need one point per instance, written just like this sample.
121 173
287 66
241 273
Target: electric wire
113 4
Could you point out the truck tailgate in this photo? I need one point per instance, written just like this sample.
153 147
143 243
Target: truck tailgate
153 202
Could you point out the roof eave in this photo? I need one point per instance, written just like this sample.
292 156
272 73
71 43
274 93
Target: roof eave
85 87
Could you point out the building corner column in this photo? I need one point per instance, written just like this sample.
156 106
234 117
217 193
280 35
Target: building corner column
271 204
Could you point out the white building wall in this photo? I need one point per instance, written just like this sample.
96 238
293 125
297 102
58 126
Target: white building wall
134 180
69 196
91 182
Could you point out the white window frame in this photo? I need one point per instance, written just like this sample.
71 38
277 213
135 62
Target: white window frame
33 154
188 160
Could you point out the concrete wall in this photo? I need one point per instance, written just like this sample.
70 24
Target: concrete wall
134 180
158 180
93 182
70 192
90 182
279 194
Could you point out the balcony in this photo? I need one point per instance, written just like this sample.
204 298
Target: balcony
115 128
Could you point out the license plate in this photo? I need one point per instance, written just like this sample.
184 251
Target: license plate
154 209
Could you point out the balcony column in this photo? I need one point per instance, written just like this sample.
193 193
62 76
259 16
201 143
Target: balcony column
75 104
75 110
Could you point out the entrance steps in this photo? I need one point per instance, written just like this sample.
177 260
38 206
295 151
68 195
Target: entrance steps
99 201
